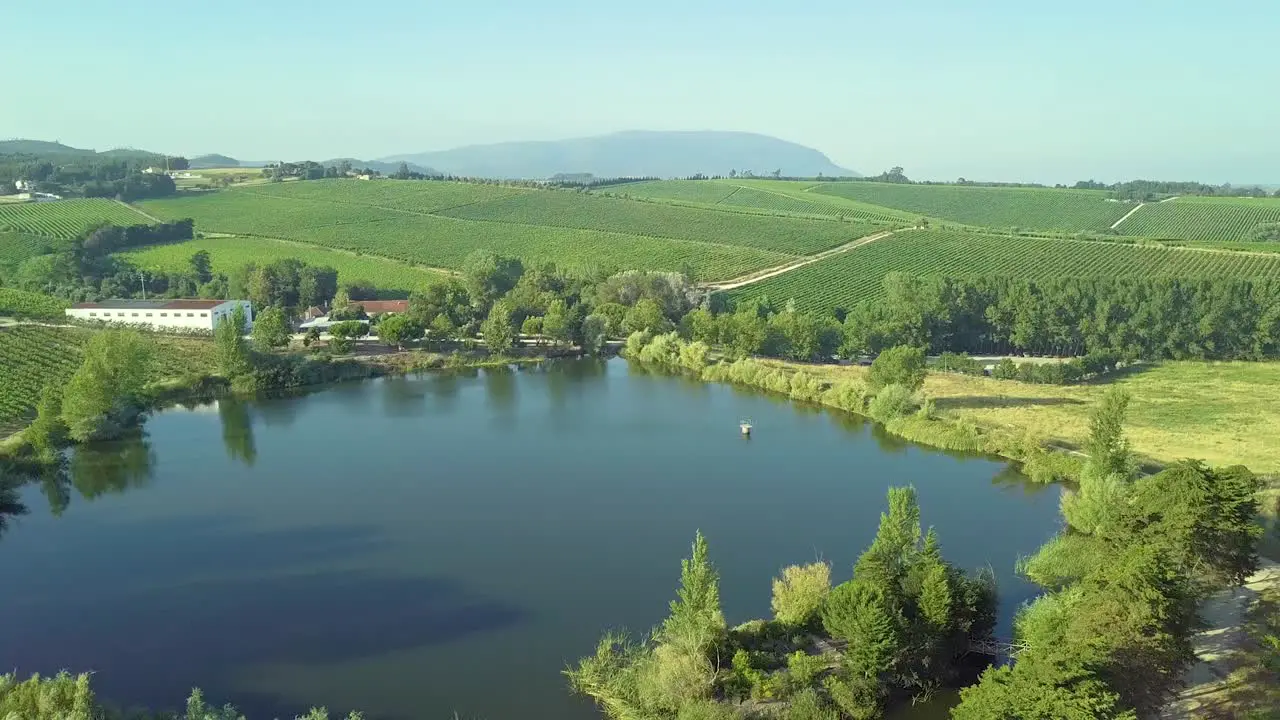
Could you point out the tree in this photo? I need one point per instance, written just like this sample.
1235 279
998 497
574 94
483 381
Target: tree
858 612
646 315
442 328
489 276
497 329
935 598
696 621
1107 448
101 397
47 430
593 333
343 334
799 594
556 322
202 266
341 300
231 349
700 324
271 329
900 365
316 286
532 327
398 329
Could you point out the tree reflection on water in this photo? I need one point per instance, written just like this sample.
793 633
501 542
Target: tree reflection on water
237 430
93 470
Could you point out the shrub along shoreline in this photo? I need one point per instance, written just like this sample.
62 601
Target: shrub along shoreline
887 398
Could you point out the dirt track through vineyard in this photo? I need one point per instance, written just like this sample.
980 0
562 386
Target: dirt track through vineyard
767 273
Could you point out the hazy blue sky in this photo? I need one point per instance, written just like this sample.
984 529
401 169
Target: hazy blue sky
987 89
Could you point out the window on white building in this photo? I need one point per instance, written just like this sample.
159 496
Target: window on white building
93 314
119 314
164 314
204 314
148 314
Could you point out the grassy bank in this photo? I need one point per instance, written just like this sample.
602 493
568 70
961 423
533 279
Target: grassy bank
1221 412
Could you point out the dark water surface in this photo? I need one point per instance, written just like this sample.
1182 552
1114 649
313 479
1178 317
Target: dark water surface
414 547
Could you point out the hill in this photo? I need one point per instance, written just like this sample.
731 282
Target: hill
37 147
213 160
46 149
636 153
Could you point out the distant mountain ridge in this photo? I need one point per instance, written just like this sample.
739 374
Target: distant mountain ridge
633 153
214 160
384 167
43 147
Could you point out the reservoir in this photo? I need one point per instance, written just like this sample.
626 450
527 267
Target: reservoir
422 546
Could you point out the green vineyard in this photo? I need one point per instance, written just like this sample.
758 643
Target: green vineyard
993 207
22 304
591 212
410 196
848 278
750 197
395 279
16 247
445 242
772 197
692 191
32 357
1203 218
66 218
246 212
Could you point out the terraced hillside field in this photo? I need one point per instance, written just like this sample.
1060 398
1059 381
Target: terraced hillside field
1203 218
33 356
592 212
849 278
391 277
1031 208
66 218
445 242
23 304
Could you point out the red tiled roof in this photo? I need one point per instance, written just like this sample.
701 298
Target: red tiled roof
383 306
191 304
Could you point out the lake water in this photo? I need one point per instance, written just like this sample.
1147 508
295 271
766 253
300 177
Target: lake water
415 547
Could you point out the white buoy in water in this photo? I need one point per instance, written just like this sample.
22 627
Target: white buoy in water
746 427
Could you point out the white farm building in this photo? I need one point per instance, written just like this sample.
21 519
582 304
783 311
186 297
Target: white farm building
162 314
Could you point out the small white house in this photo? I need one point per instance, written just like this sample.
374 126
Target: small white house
162 314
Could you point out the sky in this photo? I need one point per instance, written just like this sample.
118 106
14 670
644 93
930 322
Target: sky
1011 90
